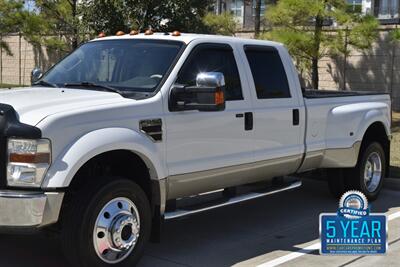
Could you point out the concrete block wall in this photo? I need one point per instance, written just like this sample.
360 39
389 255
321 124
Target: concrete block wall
366 71
16 69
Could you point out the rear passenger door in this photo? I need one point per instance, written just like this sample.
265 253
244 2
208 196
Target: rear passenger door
277 131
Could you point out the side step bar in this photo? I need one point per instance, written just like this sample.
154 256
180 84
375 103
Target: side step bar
185 211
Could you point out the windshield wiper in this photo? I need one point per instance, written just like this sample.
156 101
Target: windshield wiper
93 85
44 83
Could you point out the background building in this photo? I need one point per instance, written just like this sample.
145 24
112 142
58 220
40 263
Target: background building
243 10
387 11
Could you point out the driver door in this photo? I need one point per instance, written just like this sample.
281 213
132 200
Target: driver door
202 141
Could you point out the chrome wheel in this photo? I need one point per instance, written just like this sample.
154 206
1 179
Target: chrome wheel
116 230
373 172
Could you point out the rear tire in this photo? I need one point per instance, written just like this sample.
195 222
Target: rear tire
367 176
107 225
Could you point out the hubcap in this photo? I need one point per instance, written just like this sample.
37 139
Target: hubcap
116 230
373 172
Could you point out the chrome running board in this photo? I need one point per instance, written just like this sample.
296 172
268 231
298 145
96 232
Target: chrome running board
189 210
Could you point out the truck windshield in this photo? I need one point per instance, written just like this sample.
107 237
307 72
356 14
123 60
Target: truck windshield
124 65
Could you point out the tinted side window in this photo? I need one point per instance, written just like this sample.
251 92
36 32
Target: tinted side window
268 72
207 58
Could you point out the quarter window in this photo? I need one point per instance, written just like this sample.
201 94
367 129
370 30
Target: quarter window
213 58
268 72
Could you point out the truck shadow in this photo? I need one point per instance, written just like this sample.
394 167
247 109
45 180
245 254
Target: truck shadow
221 237
239 233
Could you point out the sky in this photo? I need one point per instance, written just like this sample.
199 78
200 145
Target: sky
29 4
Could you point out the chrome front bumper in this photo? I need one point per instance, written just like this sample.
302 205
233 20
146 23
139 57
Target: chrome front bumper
29 209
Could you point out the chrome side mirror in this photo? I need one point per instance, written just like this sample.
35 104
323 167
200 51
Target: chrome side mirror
36 74
210 79
207 95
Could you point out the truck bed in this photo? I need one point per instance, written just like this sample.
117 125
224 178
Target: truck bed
312 93
336 122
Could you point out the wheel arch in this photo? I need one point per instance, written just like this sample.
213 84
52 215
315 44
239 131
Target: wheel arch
66 165
377 132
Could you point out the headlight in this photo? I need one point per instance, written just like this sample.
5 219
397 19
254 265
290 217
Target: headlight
28 161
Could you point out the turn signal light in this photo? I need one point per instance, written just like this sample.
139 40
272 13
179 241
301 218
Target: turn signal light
148 32
120 33
219 98
176 33
30 158
101 35
134 32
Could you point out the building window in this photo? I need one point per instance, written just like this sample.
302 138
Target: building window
387 9
262 8
354 6
237 8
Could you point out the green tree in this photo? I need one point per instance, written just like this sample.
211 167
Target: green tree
106 16
395 35
53 24
184 15
355 32
223 24
160 15
300 25
11 18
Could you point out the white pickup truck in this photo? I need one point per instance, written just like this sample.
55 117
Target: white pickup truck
130 130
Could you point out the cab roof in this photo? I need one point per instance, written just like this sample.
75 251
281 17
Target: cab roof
187 38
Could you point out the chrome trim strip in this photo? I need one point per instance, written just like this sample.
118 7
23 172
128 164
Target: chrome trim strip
53 208
331 158
163 195
188 184
341 157
252 195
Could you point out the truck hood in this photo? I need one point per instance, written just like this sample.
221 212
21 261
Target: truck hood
35 103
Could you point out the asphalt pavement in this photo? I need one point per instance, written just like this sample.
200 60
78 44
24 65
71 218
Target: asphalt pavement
276 230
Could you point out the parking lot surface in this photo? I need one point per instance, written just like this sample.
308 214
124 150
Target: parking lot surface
276 230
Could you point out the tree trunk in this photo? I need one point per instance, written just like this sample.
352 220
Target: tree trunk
75 26
346 47
317 44
1 60
257 18
146 19
314 74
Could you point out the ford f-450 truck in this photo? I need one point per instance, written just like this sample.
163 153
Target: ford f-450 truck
129 130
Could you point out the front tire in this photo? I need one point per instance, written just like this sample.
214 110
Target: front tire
107 226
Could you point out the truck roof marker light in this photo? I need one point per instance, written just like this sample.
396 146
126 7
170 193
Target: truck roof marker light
176 33
134 32
101 35
120 33
148 32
